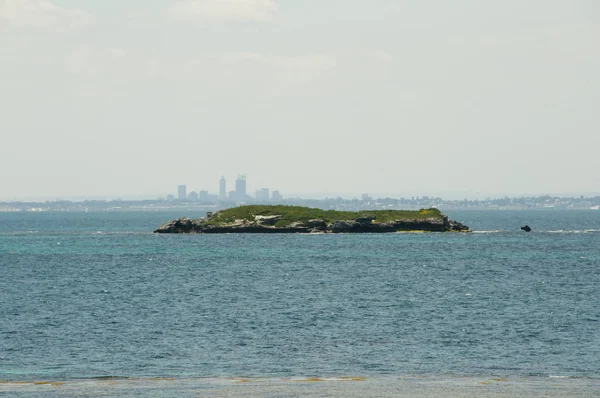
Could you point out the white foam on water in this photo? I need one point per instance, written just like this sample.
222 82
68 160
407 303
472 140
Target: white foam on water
573 231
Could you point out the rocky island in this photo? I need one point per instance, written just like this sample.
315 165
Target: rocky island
296 219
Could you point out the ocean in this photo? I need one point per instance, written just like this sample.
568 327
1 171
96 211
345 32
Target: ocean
97 296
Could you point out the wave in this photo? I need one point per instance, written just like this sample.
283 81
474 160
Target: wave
557 231
573 231
116 233
569 377
73 233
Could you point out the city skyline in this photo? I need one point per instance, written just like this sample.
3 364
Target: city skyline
456 195
240 192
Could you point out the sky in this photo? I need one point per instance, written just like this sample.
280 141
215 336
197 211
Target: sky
468 98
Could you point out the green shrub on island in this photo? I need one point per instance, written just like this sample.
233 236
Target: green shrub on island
292 214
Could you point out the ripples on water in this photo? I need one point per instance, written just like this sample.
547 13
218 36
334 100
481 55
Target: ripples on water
89 295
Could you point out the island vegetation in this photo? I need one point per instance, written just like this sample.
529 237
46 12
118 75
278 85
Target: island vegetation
297 219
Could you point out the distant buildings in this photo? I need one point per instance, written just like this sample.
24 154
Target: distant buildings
193 196
262 195
223 189
182 192
240 194
240 187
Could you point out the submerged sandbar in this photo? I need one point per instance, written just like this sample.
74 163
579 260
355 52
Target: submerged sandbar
349 386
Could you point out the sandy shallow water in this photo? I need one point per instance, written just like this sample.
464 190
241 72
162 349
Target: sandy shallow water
399 386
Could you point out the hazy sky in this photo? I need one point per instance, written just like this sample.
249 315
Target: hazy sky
129 97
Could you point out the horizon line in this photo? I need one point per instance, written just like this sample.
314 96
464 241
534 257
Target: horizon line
305 196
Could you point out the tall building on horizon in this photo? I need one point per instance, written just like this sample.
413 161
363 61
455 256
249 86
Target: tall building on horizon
182 192
263 195
223 188
240 186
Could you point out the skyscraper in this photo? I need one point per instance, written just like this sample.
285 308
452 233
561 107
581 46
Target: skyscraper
182 192
262 195
240 187
193 196
223 188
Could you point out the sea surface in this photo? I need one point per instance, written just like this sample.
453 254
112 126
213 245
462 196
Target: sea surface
97 295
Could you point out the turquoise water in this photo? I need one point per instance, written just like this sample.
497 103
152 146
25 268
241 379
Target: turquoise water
97 295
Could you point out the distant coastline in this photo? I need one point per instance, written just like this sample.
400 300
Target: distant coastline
340 204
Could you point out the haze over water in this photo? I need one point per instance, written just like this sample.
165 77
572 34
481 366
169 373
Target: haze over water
96 295
112 98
